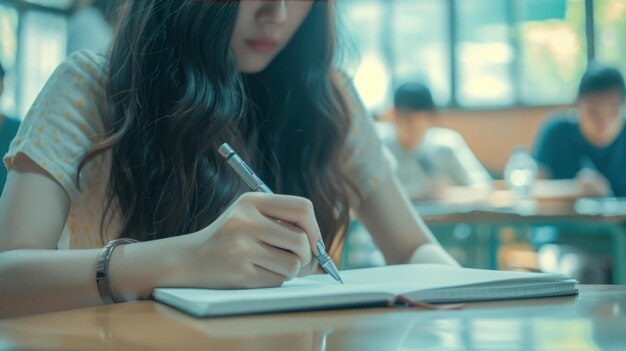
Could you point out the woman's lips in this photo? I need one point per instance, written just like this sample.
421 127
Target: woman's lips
262 45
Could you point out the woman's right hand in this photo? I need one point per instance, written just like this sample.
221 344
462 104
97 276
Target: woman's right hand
261 240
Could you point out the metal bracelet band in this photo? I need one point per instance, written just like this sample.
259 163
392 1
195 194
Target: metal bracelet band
102 269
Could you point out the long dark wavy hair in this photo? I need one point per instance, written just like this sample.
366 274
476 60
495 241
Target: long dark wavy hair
174 95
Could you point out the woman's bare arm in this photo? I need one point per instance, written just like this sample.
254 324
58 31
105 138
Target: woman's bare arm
35 276
243 248
396 228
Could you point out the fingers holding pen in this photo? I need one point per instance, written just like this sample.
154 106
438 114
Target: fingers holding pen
291 209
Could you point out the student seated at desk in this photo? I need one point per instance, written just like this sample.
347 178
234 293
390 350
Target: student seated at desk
588 142
428 159
126 146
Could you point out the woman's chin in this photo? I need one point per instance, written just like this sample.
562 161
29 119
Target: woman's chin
252 65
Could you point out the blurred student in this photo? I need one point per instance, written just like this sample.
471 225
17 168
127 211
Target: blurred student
117 165
90 27
8 129
588 142
429 159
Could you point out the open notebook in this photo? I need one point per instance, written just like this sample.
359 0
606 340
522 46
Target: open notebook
371 286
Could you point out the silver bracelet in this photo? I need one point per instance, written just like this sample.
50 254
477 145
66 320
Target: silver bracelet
102 269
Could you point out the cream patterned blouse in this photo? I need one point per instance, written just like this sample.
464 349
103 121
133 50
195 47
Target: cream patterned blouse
66 120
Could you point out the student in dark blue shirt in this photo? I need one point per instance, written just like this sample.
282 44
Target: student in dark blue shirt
588 142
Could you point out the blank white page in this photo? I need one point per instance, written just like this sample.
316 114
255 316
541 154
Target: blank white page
402 279
371 285
297 288
293 295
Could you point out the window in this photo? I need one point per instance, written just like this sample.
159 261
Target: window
363 21
31 52
484 53
610 19
43 39
8 57
424 22
553 51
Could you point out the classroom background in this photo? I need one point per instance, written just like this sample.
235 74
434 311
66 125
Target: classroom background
497 69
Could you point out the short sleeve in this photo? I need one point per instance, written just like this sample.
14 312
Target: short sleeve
367 166
65 120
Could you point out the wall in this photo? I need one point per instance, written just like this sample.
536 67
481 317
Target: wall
492 134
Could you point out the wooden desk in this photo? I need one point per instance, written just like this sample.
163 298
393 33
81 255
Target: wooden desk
523 215
595 320
523 211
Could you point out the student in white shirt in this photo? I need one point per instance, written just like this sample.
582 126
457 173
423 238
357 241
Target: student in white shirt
428 159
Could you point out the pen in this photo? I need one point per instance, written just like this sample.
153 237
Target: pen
256 184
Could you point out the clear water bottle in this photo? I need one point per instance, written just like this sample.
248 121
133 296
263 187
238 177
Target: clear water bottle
520 172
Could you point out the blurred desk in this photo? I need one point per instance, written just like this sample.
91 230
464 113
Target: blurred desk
501 210
523 211
595 320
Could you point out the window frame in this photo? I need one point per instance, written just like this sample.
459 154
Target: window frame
387 32
512 17
516 65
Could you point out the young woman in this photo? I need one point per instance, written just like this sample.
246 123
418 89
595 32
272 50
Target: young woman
126 147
